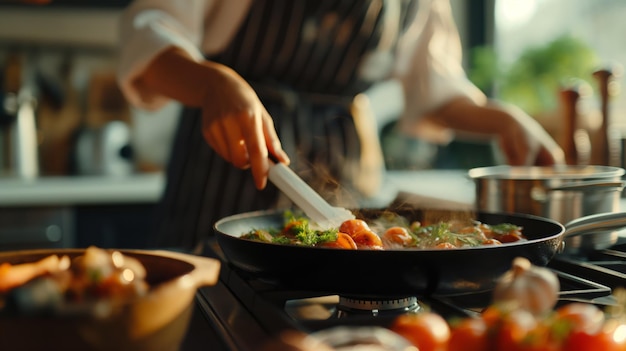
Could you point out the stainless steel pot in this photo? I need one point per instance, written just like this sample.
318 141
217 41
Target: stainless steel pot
562 193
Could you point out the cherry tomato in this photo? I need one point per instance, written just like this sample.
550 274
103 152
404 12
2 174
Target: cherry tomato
344 241
492 316
604 340
513 329
397 236
580 317
540 338
353 226
470 334
427 331
367 239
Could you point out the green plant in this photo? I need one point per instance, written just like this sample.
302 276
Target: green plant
533 80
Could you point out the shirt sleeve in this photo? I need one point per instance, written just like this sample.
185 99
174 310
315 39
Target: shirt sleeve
147 28
430 63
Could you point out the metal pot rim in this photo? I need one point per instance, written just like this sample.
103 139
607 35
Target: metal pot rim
560 172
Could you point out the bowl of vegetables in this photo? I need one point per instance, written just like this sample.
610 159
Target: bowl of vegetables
99 299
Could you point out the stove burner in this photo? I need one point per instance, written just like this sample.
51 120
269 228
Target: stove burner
374 307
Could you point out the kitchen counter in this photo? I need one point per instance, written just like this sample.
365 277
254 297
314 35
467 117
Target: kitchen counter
442 186
447 188
81 190
78 211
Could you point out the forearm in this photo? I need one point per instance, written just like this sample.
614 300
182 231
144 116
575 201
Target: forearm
464 115
178 76
521 137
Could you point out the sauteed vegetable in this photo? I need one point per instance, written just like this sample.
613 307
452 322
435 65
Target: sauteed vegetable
58 284
389 231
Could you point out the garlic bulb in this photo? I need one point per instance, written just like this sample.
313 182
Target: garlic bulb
528 287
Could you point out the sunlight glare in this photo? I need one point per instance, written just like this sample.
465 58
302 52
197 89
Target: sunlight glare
619 335
512 13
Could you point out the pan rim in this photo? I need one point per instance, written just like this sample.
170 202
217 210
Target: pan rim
277 212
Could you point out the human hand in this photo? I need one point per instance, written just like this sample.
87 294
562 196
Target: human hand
237 126
525 142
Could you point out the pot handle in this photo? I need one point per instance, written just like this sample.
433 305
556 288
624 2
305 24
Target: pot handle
589 186
595 222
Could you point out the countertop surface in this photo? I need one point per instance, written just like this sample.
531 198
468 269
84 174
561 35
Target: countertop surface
76 190
444 187
434 188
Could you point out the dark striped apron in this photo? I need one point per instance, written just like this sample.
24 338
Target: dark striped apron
307 60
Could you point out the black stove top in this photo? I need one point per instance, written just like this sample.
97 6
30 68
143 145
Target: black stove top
243 313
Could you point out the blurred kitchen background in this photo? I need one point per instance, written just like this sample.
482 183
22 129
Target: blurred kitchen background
79 167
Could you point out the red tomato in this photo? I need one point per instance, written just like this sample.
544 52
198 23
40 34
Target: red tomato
540 338
353 226
470 334
603 340
513 328
492 316
581 317
427 331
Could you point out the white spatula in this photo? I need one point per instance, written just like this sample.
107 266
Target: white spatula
321 213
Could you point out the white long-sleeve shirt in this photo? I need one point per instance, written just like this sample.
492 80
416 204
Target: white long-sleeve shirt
428 63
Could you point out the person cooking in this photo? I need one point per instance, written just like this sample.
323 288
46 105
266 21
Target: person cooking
285 78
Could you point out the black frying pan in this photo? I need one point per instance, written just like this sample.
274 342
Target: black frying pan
388 273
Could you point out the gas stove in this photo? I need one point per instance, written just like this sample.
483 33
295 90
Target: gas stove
243 313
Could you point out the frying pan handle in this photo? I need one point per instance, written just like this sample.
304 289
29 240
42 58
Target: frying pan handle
596 222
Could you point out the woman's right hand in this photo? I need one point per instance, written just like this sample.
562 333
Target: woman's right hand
234 121
236 124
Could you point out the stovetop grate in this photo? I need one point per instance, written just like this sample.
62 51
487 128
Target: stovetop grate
238 304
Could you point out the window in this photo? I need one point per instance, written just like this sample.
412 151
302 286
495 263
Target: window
540 48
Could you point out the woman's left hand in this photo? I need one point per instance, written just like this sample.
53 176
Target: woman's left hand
522 139
525 142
